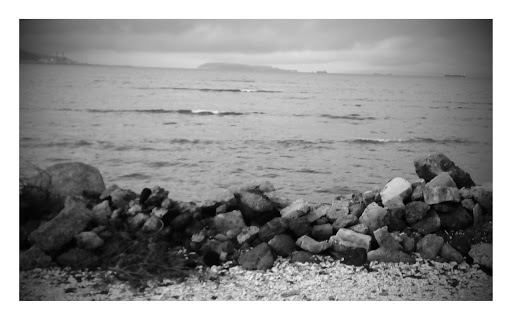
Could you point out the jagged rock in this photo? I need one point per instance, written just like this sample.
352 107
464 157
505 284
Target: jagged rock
430 166
247 234
311 245
158 195
418 183
101 213
350 239
387 240
69 179
397 188
297 209
54 234
322 232
350 256
121 198
457 219
152 224
106 193
443 179
387 255
322 220
482 254
345 222
339 208
465 193
137 221
450 254
180 222
223 208
357 209
88 240
408 243
228 221
135 209
318 213
159 212
34 258
272 228
303 257
360 228
415 211
300 226
417 194
468 204
483 196
78 259
144 195
282 244
397 219
279 201
369 196
258 258
254 185
429 246
436 195
256 208
429 224
374 217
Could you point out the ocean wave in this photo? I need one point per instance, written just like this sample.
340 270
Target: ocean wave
410 140
200 112
352 116
211 89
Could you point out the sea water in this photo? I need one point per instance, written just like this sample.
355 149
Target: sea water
197 132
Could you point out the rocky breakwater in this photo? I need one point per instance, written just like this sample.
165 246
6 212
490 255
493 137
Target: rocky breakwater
442 216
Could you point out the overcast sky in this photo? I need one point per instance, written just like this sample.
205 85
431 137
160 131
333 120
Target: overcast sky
351 46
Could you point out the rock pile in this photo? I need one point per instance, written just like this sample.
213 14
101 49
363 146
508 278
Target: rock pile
442 216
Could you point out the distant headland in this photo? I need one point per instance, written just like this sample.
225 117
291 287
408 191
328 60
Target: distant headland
222 66
30 57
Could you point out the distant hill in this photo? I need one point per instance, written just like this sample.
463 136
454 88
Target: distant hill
30 57
240 67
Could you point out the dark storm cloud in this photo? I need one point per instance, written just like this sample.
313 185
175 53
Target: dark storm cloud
378 42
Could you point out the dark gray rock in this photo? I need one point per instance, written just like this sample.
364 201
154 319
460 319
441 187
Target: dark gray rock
258 258
443 179
408 243
450 254
247 234
34 258
458 219
468 204
272 228
54 234
282 245
78 259
318 213
101 213
339 208
428 167
137 221
303 257
483 196
387 255
69 179
357 209
228 221
311 245
300 226
121 198
346 221
374 217
431 223
360 228
257 209
478 215
88 240
396 219
152 225
351 256
434 195
322 232
296 209
180 222
429 246
387 240
415 211
417 194
279 201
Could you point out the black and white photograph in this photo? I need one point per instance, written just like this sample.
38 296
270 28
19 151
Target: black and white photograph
256 160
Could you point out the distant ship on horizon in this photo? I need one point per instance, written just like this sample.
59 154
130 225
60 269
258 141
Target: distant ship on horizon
322 71
452 75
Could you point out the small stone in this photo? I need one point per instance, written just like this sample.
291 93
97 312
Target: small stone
297 209
318 213
347 238
386 240
300 226
434 195
443 179
429 246
273 227
415 211
258 258
88 240
152 224
247 234
282 245
396 188
360 228
374 217
387 255
450 254
322 232
429 224
312 245
482 254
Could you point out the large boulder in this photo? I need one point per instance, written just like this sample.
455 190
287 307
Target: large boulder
457 219
483 196
415 211
482 254
429 246
374 217
442 180
429 224
282 245
229 221
388 255
258 258
101 213
435 195
428 167
311 245
450 254
121 198
339 208
322 232
387 240
397 188
257 209
346 238
69 179
54 234
300 226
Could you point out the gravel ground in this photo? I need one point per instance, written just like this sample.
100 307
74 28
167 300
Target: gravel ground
328 280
